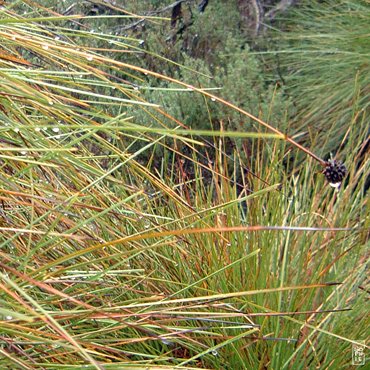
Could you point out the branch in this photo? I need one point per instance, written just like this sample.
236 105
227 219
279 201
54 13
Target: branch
282 6
154 12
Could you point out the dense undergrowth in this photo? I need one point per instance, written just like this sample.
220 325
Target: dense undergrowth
130 241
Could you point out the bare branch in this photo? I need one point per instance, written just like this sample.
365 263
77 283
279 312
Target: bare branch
282 6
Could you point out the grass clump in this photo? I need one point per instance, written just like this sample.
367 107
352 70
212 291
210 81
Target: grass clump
108 262
321 55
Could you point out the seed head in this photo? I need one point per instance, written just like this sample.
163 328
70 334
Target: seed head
335 171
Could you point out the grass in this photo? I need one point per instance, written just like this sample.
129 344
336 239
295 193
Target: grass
322 56
109 261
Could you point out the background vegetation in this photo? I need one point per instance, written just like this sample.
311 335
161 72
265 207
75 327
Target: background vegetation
148 219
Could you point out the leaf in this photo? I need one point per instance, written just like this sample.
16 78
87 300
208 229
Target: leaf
11 58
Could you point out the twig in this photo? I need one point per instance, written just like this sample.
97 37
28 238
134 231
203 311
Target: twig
280 7
258 10
154 12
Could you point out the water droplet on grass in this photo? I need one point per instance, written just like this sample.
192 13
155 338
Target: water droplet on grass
45 47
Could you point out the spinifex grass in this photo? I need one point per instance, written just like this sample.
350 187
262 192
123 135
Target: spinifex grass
110 263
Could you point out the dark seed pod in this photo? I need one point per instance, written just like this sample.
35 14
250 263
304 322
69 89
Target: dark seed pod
334 172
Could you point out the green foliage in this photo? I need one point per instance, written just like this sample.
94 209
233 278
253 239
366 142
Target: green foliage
107 263
323 54
222 59
237 79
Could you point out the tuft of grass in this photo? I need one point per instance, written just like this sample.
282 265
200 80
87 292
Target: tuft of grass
321 53
110 262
